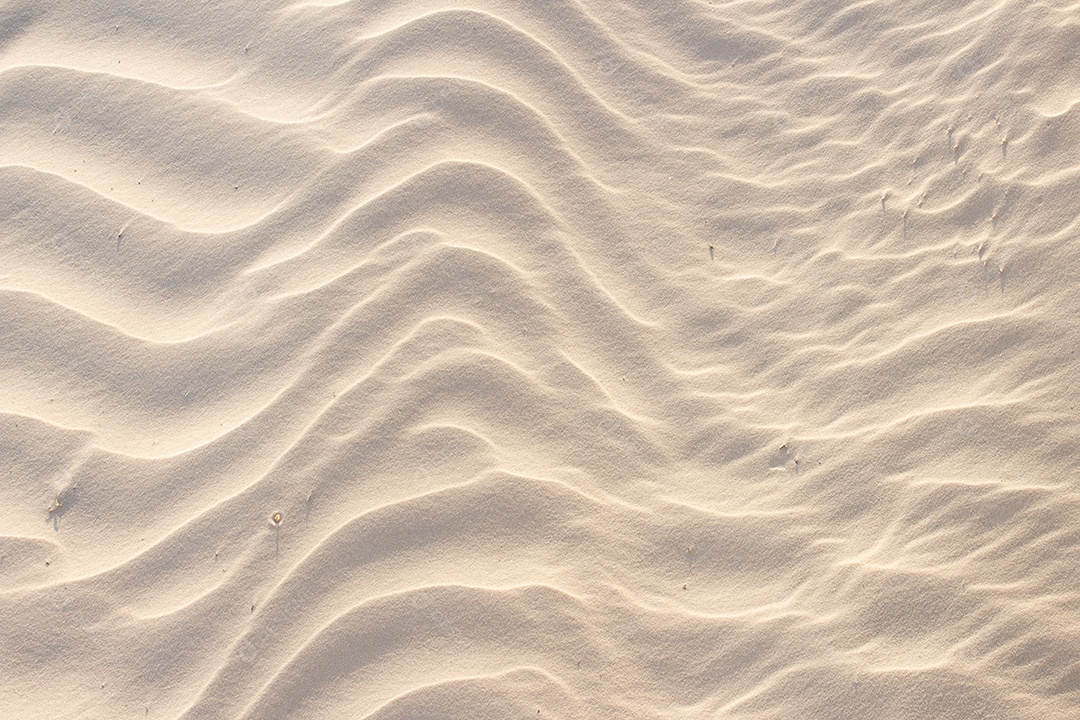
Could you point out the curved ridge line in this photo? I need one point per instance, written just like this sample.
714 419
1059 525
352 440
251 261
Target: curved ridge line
655 605
404 182
379 362
911 417
543 672
183 606
542 117
105 73
487 477
50 423
300 435
109 570
517 30
144 213
322 284
744 22
1015 313
424 367
556 219
614 405
314 635
107 198
208 90
595 279
752 514
112 326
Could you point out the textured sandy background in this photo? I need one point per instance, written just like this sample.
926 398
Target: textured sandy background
622 359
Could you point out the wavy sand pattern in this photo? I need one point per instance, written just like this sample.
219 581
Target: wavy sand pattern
620 359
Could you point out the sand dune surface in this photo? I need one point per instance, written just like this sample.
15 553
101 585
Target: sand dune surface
568 359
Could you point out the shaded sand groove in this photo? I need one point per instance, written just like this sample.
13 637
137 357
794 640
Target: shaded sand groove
603 360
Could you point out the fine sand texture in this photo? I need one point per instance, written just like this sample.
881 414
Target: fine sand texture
580 359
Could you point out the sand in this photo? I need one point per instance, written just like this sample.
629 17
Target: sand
563 359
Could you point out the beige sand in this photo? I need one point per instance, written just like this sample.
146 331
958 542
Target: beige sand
621 359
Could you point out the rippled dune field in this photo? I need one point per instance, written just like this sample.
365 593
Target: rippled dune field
569 359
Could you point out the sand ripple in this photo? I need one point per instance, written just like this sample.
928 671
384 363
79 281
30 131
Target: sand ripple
604 360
